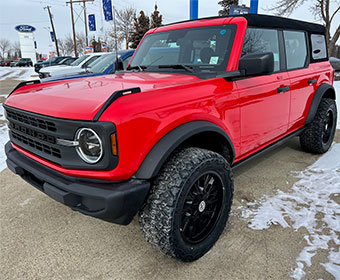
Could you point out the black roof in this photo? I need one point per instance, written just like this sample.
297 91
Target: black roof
274 22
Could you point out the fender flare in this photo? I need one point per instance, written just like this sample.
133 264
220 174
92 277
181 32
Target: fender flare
155 159
319 94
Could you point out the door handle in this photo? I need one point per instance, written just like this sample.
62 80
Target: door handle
283 89
310 82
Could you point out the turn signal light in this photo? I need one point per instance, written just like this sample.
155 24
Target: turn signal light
114 144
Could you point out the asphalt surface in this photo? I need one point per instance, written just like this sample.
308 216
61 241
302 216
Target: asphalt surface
43 239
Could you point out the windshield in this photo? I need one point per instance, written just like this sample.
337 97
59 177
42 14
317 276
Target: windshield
79 60
101 64
202 49
62 61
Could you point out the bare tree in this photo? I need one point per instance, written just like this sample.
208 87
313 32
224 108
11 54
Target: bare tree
125 20
16 51
66 44
321 9
226 4
4 46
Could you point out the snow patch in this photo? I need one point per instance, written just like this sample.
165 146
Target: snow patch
18 73
4 138
337 92
309 204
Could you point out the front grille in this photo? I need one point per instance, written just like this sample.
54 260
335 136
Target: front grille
38 135
36 145
34 121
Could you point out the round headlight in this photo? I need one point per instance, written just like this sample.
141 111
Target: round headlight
90 147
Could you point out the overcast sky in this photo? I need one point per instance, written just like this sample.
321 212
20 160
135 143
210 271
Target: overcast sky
14 12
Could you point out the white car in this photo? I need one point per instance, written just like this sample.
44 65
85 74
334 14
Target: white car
81 63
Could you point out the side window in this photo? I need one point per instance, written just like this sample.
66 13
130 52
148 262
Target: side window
87 63
262 40
319 48
296 49
126 62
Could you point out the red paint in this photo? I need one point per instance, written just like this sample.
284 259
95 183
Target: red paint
250 110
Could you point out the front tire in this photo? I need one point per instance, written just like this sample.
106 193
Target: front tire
189 204
319 135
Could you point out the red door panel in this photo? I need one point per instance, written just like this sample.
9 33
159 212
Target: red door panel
264 111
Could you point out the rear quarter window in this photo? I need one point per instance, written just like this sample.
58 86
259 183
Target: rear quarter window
319 47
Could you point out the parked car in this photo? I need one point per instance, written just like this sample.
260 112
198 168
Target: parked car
51 61
102 66
13 63
7 63
335 62
162 138
24 62
81 63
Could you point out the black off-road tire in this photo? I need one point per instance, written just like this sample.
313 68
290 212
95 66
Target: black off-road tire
160 218
313 139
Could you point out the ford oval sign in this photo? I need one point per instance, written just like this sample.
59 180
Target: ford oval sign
25 28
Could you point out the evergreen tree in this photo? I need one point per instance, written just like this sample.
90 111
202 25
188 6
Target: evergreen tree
156 18
226 6
141 26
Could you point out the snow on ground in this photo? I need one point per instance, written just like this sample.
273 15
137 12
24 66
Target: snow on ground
4 138
310 204
18 73
337 90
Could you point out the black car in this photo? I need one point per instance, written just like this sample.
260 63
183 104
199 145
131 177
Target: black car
335 62
53 61
24 62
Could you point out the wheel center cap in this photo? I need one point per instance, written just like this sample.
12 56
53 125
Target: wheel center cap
201 206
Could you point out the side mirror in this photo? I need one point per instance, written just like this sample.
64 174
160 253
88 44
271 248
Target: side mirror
119 66
257 64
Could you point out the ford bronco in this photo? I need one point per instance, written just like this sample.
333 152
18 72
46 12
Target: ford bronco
198 99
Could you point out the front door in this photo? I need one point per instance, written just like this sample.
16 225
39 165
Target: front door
264 100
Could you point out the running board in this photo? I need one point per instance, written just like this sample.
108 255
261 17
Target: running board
268 148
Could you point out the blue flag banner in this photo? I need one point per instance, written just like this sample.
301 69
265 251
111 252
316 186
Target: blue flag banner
92 22
107 7
52 36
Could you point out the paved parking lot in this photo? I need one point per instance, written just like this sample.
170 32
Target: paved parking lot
42 239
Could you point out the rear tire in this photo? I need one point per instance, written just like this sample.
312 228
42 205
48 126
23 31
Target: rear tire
189 204
319 135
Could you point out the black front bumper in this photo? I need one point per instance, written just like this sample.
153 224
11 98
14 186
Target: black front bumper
112 202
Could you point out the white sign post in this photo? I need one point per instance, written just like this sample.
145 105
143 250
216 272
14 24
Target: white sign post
26 39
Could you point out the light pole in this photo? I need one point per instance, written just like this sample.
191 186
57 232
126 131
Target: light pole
193 9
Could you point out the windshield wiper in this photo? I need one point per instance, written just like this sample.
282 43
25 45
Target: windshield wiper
141 68
178 66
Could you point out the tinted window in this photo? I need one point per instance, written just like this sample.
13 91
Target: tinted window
296 49
319 48
87 63
258 40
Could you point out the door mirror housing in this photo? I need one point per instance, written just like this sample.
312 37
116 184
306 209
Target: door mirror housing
257 64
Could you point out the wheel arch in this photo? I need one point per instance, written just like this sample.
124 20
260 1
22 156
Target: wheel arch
193 133
323 91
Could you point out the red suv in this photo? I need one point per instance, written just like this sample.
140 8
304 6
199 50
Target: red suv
198 99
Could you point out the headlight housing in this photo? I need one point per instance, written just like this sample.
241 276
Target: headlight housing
90 147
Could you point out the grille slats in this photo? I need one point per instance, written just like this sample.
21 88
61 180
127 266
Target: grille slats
33 121
21 125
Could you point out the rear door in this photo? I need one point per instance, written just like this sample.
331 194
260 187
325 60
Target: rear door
302 78
264 100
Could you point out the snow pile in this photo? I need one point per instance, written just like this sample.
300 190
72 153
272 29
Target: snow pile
4 138
18 73
337 90
310 204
